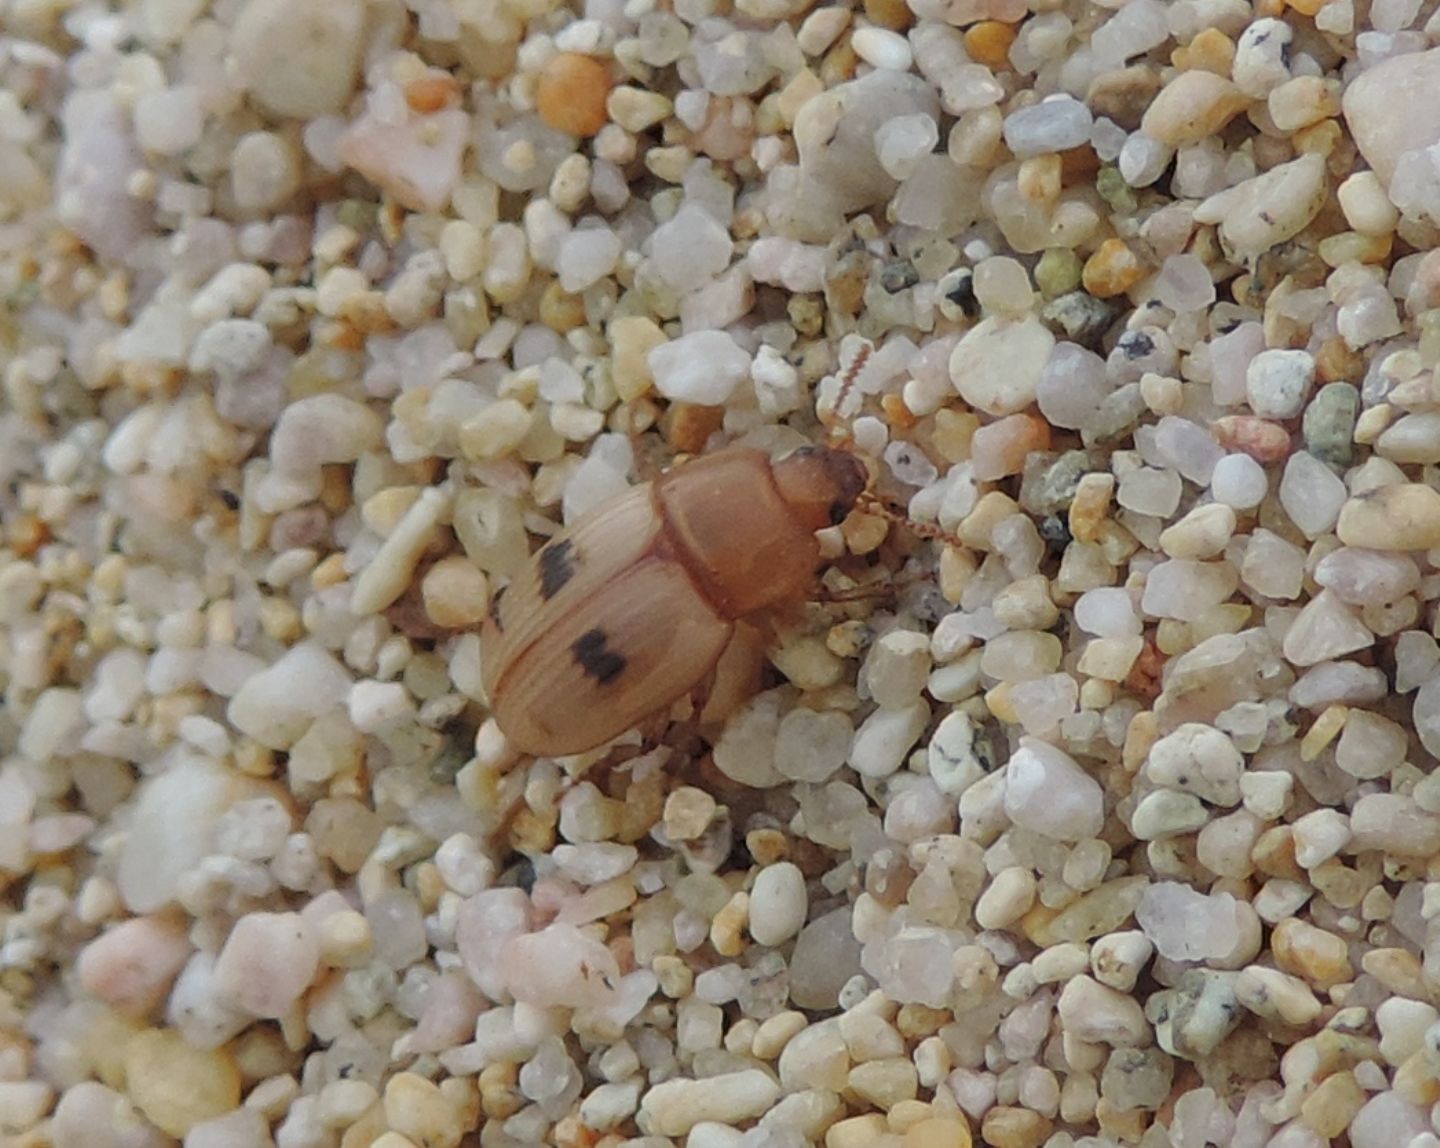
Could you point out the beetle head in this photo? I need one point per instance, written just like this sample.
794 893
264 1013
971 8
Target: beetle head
821 484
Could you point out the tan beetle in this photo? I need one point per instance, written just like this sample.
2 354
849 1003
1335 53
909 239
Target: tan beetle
629 609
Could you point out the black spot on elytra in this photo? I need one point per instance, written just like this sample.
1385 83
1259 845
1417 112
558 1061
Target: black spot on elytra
557 566
592 650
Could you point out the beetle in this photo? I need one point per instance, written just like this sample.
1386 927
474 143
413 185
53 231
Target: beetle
632 606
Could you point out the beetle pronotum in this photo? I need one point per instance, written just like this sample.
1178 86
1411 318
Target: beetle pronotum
630 608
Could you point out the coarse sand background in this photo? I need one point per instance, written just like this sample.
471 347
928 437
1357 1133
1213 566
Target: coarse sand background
1089 804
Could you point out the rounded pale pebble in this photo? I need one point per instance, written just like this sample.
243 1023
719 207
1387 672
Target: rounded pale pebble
169 121
1055 124
688 813
1311 494
1403 516
243 1128
1274 995
559 965
1166 813
1021 655
199 1011
372 706
885 737
702 367
1239 482
322 429
825 956
896 668
997 365
176 1086
1386 1120
1277 383
1097 1014
299 58
673 1107
1186 924
131 966
1143 160
1394 823
1413 438
171 828
1059 963
1199 759
1117 958
1272 566
950 1131
1320 835
416 1108
264 172
884 1083
746 749
882 48
1366 206
268 962
1072 384
1001 448
1404 1027
811 745
1321 957
485 924
1370 745
1185 283
689 250
1185 589
1048 793
1203 533
277 705
1269 208
1008 898
1151 492
587 255
90 1115
1373 98
24 1104
1193 106
778 903
455 592
1261 57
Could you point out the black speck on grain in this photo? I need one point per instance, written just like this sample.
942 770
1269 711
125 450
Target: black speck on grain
898 275
1136 345
495 610
592 650
961 292
557 566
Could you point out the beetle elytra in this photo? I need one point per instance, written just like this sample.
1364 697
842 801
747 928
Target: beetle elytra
628 610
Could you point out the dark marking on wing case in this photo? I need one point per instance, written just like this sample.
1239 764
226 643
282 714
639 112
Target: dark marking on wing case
557 566
592 650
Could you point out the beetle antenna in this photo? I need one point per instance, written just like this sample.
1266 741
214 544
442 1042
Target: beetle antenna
873 503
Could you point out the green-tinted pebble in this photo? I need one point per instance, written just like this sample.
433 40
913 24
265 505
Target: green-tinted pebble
1329 423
